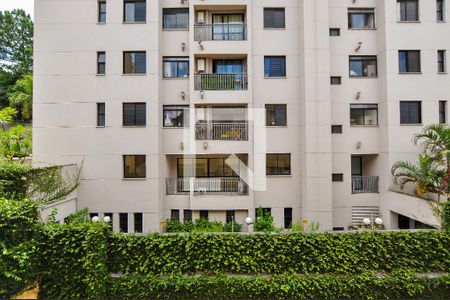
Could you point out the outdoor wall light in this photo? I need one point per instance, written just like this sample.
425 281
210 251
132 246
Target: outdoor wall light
358 47
202 94
366 221
183 47
95 219
183 95
182 1
358 145
205 145
182 146
107 219
248 221
201 45
358 95
378 221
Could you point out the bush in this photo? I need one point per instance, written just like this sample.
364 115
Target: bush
201 225
445 215
264 221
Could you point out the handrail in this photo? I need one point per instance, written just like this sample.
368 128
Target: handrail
231 186
365 184
233 131
220 32
220 81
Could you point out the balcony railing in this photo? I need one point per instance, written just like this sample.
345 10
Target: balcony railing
229 186
220 32
221 131
220 82
365 184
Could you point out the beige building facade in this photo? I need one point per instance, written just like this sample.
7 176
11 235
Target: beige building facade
212 108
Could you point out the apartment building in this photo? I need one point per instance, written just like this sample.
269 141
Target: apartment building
181 109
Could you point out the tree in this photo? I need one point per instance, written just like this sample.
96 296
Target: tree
21 97
15 141
16 42
7 81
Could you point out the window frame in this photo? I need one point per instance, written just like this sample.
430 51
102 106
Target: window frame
336 30
267 60
361 11
177 60
277 173
419 113
363 59
266 10
123 222
399 11
339 78
134 71
187 215
337 177
138 222
337 126
374 106
100 13
440 13
135 123
175 215
225 167
441 60
205 214
184 109
175 11
276 123
135 175
125 21
101 63
288 217
443 112
101 114
230 215
407 61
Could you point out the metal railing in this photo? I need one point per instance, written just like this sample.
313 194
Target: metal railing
230 186
220 82
365 184
220 32
221 131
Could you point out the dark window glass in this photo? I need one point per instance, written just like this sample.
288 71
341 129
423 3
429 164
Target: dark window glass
101 63
101 114
176 116
440 10
338 228
287 217
175 67
274 17
225 27
409 61
138 223
231 216
134 114
175 215
275 66
134 11
278 164
276 115
123 222
336 129
410 112
204 214
363 66
134 62
101 11
361 18
441 61
206 167
335 80
187 215
408 10
335 31
337 177
134 166
364 114
442 112
176 18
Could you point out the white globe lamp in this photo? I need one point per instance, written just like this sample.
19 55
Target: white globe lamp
366 221
107 219
95 219
248 221
378 221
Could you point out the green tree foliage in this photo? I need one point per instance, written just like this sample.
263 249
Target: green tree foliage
7 81
202 225
264 221
15 141
16 42
21 97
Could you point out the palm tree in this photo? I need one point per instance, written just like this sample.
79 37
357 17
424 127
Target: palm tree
427 175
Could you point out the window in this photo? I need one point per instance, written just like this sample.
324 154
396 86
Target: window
408 10
275 66
207 167
409 61
176 116
134 166
176 18
410 112
274 17
101 63
361 18
440 17
337 177
134 114
204 214
278 164
230 216
276 115
287 217
123 222
442 112
364 114
441 61
174 67
335 31
138 223
101 114
134 11
187 215
336 129
175 215
101 12
335 80
338 228
134 62
363 66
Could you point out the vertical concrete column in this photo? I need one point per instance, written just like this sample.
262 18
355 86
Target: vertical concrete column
315 99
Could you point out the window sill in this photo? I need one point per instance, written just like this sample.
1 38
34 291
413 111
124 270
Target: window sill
134 74
412 124
408 22
175 29
276 126
100 126
275 77
279 176
164 127
175 78
130 22
134 126
410 73
442 73
370 126
274 28
100 75
134 179
363 77
441 22
101 23
357 29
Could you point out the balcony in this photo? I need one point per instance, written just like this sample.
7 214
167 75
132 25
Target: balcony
365 184
221 131
220 82
220 32
226 186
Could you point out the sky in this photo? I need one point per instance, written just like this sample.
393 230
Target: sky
27 5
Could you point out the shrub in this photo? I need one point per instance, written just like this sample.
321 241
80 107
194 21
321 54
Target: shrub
201 225
445 215
263 221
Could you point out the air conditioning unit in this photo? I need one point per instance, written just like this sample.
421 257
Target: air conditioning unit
201 65
200 17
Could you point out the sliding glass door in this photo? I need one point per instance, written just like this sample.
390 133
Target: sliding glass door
228 27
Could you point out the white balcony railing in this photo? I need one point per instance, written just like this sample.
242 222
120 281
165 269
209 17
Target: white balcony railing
220 32
230 186
221 131
365 184
220 82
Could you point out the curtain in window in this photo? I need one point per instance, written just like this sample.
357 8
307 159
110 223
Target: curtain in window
229 66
